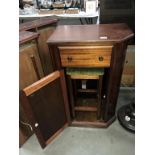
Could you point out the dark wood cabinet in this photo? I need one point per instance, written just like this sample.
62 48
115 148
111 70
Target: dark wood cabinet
45 27
30 71
47 101
118 11
34 59
107 40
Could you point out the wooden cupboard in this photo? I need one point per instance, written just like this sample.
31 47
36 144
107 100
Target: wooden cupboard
30 71
45 28
34 60
46 101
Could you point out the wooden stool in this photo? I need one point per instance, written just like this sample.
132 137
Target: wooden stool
85 74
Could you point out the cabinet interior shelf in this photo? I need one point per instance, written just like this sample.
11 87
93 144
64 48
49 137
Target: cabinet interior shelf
92 102
85 108
87 90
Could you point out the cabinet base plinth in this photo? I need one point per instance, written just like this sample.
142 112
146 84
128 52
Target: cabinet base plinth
98 124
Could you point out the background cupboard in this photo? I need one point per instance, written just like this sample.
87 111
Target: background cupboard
34 61
30 71
45 28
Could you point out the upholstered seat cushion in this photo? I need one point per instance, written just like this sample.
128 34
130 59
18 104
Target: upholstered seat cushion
85 71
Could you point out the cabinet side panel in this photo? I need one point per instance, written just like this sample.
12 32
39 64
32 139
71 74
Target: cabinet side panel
46 60
27 73
128 77
115 74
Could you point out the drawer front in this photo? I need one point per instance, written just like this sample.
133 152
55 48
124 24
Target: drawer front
86 56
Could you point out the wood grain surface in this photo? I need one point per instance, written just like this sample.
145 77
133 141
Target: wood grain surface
36 24
25 36
41 83
77 56
91 33
27 70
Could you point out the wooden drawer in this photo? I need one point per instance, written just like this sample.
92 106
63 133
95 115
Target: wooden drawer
85 56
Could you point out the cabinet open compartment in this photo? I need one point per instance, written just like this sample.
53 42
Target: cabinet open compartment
84 87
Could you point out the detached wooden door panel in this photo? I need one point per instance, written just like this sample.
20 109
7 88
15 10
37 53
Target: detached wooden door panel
46 105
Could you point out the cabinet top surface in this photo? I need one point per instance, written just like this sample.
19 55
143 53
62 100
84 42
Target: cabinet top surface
91 33
25 36
36 23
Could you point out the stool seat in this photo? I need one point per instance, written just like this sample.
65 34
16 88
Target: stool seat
85 73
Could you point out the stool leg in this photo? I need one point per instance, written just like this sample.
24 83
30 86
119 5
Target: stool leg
99 96
70 89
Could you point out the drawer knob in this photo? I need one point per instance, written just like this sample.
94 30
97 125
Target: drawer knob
69 59
100 58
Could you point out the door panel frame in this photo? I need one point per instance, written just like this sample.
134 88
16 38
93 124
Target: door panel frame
26 105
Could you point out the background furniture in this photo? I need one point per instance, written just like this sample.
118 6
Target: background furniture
34 61
128 75
118 11
81 15
45 28
30 71
122 11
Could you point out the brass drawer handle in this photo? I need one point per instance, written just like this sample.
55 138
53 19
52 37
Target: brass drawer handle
69 59
100 58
